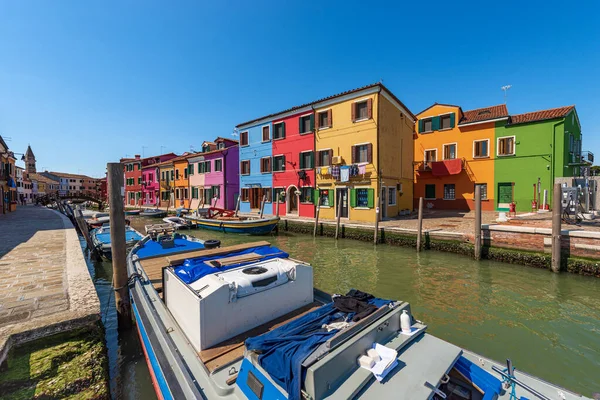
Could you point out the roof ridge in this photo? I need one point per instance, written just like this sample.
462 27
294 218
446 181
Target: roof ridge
545 109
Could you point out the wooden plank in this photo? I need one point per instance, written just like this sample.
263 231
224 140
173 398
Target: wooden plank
210 252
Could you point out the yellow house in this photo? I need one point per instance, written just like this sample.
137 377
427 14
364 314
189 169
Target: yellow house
364 154
166 174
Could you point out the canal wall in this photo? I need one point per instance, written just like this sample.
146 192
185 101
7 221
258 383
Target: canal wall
515 245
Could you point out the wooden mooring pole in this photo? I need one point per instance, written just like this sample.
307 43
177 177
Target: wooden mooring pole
117 240
556 219
237 205
262 206
317 216
478 222
376 232
339 214
420 224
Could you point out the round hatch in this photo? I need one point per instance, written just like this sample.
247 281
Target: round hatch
255 270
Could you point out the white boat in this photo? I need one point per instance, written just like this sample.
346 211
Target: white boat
244 322
179 223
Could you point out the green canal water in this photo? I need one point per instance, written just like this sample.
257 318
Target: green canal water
548 324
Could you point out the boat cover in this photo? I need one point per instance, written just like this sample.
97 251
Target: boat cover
130 235
152 248
485 381
282 350
194 269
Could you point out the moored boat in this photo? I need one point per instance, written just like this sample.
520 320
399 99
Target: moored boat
218 219
179 223
101 239
133 212
153 212
244 322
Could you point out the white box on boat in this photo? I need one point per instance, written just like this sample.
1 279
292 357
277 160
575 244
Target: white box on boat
220 306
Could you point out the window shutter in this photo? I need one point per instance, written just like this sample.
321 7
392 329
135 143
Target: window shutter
300 125
329 117
369 153
352 197
330 156
353 106
318 160
435 124
370 198
316 197
312 122
283 129
370 108
301 161
330 195
353 154
452 117
208 166
420 125
312 159
318 121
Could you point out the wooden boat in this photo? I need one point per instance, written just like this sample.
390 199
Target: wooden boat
101 239
218 219
153 212
244 322
179 223
155 229
133 212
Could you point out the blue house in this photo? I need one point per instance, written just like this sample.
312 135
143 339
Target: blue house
256 166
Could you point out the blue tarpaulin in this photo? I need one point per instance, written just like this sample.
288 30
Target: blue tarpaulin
129 236
485 381
196 268
152 248
283 350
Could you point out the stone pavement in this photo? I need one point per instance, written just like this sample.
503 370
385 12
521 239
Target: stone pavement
45 286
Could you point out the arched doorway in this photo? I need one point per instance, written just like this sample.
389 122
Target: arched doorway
293 199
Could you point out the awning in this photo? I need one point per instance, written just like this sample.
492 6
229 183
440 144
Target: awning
446 167
11 183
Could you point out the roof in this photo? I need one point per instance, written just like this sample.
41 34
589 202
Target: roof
374 85
29 152
541 115
437 104
42 178
3 143
68 175
222 138
484 114
211 152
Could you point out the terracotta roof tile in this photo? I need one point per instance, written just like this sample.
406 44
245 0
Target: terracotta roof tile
484 114
42 178
541 115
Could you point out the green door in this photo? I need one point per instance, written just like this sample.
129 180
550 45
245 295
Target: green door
505 196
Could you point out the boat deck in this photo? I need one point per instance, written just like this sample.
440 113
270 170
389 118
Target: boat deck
233 349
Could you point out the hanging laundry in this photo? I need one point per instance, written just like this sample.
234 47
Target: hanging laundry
353 170
324 170
362 169
328 170
335 171
344 173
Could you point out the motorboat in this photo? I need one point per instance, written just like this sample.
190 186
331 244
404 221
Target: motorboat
153 212
133 212
245 322
101 239
179 222
227 221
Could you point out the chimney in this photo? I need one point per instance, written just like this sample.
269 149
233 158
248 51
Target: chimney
137 156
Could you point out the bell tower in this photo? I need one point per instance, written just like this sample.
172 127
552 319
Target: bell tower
29 161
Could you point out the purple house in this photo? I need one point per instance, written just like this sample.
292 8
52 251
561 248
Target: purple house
150 184
214 174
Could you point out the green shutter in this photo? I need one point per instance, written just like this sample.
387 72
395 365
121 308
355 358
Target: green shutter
301 161
312 159
370 198
283 129
452 117
312 122
316 196
352 197
435 124
330 195
420 125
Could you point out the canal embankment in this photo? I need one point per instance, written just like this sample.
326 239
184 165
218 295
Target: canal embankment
49 310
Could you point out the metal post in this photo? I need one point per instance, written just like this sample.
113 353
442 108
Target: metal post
545 199
420 224
376 221
339 214
117 240
237 205
317 216
262 206
556 215
478 222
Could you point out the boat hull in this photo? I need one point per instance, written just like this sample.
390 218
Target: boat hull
159 214
132 212
249 227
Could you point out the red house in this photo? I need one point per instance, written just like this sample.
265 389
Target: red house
293 164
132 167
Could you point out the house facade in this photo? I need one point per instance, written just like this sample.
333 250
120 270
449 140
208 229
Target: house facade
256 177
8 185
182 195
455 151
151 180
132 168
166 175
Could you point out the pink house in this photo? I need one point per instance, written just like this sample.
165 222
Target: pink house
150 184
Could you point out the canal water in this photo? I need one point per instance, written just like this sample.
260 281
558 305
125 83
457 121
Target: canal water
549 325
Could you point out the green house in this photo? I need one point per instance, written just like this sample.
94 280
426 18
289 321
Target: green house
532 150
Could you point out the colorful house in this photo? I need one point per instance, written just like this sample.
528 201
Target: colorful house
166 174
213 174
345 167
132 168
182 195
150 179
8 186
454 151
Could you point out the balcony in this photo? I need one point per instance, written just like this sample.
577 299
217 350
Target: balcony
583 158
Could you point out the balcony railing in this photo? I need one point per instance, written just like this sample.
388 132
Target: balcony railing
583 158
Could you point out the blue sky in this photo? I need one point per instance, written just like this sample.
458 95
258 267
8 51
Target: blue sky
88 82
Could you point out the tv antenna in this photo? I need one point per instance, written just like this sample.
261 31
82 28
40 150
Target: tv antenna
505 89
235 132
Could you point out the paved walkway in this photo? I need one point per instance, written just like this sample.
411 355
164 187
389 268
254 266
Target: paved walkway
45 286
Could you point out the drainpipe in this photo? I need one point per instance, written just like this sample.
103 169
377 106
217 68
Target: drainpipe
552 165
379 172
224 153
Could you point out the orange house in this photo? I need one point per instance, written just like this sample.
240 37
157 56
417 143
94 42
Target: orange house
453 152
182 184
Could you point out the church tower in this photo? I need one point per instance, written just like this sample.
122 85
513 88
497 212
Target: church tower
29 161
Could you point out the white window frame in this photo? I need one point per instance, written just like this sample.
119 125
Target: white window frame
443 115
389 197
262 138
375 199
363 144
354 103
488 148
324 111
305 168
514 146
248 135
299 119
214 164
425 153
423 119
444 151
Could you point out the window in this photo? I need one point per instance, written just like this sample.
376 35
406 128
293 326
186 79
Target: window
203 167
278 130
324 157
445 121
326 197
362 153
266 193
449 191
483 187
279 192
278 163
480 148
185 193
162 175
216 192
266 133
362 198
450 151
306 124
150 177
245 167
244 138
306 160
391 196
172 175
186 170
194 192
430 191
324 119
219 165
361 110
430 155
245 194
427 125
177 174
190 169
506 146
208 195
177 193
265 165
221 145
306 195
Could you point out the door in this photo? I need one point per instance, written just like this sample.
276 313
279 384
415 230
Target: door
505 195
255 198
383 203
292 200
342 201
